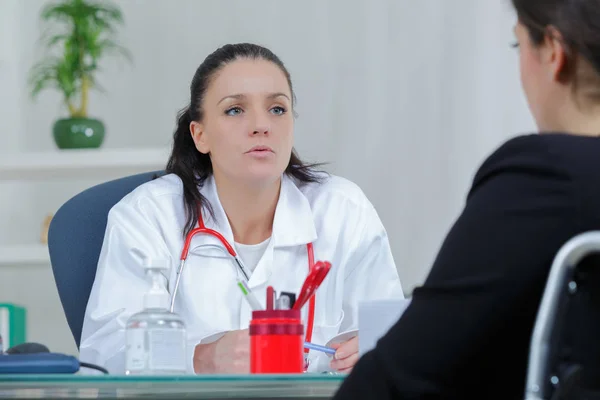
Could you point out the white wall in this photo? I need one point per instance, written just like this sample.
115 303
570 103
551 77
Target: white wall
403 97
9 74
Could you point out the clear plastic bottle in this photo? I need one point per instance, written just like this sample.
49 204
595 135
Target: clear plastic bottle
156 338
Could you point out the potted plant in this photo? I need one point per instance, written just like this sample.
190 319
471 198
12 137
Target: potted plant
87 35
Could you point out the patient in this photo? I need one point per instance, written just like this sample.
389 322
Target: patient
467 331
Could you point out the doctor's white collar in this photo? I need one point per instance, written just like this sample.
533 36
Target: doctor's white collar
293 223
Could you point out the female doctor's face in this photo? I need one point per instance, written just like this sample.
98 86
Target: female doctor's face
247 125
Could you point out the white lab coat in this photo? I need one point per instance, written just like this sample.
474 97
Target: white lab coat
334 215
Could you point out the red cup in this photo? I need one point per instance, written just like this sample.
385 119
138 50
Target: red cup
276 342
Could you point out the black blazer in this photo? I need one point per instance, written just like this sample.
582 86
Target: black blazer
467 331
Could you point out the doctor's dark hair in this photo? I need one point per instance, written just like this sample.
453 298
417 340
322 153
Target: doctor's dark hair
577 22
193 167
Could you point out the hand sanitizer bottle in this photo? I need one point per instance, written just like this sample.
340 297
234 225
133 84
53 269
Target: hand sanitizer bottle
155 337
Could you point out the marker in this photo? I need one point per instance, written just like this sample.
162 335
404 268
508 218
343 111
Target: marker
249 296
286 300
270 298
311 346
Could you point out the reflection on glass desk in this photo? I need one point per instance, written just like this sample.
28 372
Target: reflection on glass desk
160 387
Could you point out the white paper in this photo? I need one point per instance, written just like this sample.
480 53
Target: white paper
375 318
342 337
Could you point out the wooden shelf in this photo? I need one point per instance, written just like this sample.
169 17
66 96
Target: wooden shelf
25 254
80 164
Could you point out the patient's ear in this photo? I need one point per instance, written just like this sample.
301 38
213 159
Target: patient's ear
555 54
199 137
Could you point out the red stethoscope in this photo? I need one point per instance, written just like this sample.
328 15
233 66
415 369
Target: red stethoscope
202 229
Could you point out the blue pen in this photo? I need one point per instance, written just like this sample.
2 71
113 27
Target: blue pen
316 347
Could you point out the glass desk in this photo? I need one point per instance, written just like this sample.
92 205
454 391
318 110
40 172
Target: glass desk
315 386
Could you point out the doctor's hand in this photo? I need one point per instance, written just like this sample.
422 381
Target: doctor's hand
228 355
346 355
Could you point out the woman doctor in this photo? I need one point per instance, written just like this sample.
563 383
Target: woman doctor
233 156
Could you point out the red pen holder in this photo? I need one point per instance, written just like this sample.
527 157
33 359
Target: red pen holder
276 342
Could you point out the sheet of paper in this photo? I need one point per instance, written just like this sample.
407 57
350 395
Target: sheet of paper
342 337
375 318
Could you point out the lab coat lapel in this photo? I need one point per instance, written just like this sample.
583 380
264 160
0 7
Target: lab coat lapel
219 223
293 225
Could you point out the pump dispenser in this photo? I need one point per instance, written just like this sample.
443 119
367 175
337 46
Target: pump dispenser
156 338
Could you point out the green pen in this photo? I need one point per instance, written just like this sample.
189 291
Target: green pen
250 298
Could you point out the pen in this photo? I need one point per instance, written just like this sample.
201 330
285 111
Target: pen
312 282
249 296
270 297
316 347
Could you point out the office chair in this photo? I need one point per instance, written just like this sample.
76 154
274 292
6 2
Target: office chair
562 349
75 239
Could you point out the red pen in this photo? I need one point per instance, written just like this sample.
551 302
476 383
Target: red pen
312 283
270 297
309 286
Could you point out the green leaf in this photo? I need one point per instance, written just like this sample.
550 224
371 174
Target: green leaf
96 85
107 46
42 80
42 75
53 40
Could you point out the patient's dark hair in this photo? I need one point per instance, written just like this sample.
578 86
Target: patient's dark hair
578 22
194 167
